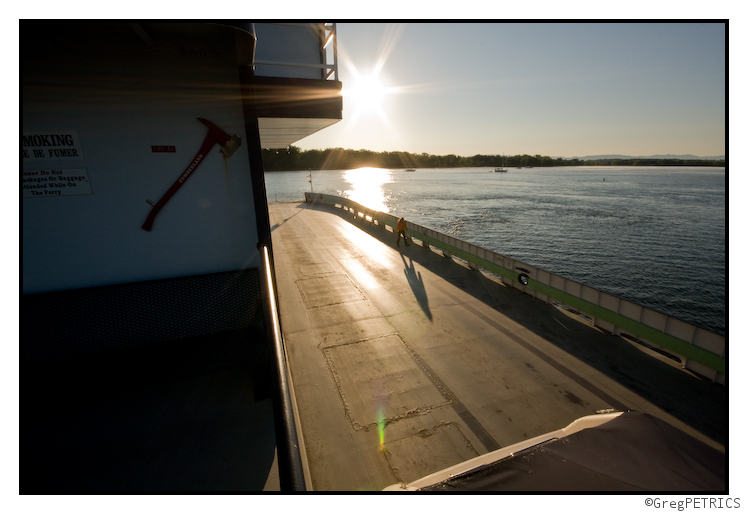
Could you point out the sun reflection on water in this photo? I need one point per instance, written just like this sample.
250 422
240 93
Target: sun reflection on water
366 187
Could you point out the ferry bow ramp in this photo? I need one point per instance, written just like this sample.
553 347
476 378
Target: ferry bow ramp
405 361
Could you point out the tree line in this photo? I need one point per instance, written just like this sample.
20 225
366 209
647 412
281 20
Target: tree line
293 158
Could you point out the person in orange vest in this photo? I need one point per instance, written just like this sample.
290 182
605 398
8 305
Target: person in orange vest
400 229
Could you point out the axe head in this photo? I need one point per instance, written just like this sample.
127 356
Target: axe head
231 145
227 143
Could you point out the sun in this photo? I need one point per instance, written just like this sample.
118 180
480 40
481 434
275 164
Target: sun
366 100
367 95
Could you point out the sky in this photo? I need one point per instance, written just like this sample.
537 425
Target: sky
557 89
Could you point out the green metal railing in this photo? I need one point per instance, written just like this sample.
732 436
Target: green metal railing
698 349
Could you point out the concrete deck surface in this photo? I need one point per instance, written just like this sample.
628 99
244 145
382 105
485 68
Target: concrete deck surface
405 362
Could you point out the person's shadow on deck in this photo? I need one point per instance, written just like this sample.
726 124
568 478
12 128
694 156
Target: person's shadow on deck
416 284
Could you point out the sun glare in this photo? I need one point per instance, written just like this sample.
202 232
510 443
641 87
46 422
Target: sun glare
367 94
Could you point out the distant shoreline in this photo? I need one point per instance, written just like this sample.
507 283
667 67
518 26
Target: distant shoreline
673 165
293 158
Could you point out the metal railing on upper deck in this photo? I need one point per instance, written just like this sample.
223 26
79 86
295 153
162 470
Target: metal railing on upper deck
328 52
698 349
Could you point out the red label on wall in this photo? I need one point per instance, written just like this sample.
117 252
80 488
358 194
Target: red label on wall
163 148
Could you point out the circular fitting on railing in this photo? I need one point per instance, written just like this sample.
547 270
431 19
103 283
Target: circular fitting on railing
523 279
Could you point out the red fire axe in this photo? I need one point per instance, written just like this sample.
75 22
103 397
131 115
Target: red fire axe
215 136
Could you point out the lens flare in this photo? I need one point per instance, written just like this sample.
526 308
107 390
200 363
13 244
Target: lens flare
380 427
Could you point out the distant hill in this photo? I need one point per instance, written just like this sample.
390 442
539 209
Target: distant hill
666 156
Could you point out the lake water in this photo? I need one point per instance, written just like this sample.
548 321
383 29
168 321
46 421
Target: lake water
652 235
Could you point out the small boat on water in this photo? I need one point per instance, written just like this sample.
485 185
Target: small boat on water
410 169
502 168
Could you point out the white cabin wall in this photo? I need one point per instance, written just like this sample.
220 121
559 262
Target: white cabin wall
120 106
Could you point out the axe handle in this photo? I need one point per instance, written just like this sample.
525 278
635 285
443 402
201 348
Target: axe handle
207 145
